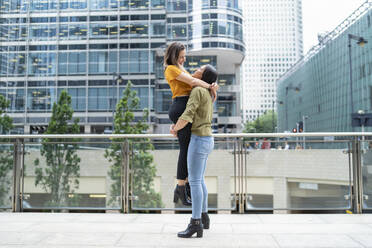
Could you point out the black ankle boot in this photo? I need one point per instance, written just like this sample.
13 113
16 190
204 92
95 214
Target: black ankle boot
188 191
205 220
180 193
195 226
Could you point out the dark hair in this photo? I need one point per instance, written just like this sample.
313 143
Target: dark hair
209 75
172 53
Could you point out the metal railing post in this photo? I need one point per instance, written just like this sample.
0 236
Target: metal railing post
245 175
235 174
241 180
239 173
357 176
17 176
360 177
125 176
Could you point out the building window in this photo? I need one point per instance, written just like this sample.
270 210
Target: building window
40 64
176 5
39 99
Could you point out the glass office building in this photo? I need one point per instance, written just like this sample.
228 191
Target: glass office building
273 37
47 46
317 91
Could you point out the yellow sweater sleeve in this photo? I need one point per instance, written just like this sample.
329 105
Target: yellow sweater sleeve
172 72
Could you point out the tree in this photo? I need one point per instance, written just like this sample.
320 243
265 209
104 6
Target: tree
59 176
6 152
141 162
265 123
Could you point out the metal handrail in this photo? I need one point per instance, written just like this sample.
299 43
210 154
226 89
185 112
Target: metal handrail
155 136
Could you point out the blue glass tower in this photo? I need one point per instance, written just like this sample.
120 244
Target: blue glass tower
47 46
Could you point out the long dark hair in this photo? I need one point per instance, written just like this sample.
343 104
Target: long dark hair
172 53
210 74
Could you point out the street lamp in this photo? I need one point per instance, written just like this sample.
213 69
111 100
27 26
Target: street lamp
277 124
361 42
304 117
118 79
273 114
296 89
361 112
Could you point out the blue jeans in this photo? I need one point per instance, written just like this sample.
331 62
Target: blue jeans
197 155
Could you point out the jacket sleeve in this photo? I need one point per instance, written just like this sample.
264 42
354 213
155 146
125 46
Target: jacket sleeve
192 105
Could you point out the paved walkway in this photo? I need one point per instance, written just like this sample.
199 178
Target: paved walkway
159 230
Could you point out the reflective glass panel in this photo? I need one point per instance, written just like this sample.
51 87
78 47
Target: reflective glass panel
303 174
158 3
158 29
176 5
139 30
40 99
6 174
156 190
367 174
99 4
17 100
98 99
42 64
98 62
89 183
17 64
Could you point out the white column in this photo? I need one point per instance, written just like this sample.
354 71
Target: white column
167 186
281 195
26 129
87 129
223 194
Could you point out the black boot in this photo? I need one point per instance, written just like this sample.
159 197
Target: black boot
205 220
180 193
188 192
195 226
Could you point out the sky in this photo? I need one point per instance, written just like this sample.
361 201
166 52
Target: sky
324 15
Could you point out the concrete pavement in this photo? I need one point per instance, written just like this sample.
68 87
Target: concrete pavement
160 230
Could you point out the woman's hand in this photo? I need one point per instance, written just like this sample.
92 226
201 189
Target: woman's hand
172 131
214 88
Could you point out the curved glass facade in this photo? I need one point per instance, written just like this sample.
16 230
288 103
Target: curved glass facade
317 89
216 25
47 46
216 4
35 6
213 24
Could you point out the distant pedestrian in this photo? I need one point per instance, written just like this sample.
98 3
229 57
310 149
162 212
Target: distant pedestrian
266 144
286 146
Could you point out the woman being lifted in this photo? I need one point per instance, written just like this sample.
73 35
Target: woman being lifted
181 83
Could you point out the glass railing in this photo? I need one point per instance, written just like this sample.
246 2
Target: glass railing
288 175
366 171
71 176
156 192
6 174
245 172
